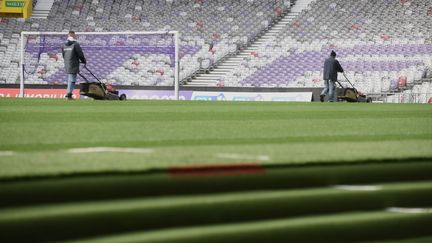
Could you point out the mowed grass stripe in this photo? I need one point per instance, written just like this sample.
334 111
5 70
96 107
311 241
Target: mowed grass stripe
150 132
83 219
348 227
411 141
57 163
51 116
106 186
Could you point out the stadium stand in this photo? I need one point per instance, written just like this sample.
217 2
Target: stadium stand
225 24
383 45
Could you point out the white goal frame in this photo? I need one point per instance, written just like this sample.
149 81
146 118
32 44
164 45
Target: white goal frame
176 52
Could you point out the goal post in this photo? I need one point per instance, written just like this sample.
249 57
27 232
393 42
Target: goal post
130 59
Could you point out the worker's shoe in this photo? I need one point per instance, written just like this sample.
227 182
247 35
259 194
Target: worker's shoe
322 98
69 97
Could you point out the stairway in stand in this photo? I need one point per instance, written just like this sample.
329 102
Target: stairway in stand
211 78
42 9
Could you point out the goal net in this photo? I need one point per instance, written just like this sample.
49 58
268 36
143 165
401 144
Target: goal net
123 59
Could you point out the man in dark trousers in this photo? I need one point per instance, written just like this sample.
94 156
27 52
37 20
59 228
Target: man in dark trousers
72 55
331 68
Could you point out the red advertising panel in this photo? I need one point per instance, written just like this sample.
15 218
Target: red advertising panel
38 93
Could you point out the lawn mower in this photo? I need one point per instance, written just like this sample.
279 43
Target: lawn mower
351 94
98 90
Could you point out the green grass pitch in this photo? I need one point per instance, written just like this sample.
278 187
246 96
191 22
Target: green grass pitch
189 171
41 131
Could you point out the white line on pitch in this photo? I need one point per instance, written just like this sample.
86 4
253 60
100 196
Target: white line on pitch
409 210
243 156
358 187
7 153
110 149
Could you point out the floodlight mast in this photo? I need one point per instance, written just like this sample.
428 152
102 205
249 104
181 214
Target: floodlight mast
175 35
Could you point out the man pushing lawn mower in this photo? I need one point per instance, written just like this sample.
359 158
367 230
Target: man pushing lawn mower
331 68
350 94
72 55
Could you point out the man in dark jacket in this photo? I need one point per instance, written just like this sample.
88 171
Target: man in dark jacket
72 55
331 68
